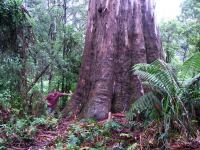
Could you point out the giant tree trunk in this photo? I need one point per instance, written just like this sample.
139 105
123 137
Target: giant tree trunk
120 33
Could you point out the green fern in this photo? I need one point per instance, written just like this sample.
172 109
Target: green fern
158 75
133 146
161 78
143 103
188 83
192 64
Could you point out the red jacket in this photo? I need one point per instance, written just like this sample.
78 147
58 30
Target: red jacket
53 98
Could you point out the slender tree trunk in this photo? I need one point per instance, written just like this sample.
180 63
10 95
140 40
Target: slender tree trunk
23 85
120 33
50 76
41 85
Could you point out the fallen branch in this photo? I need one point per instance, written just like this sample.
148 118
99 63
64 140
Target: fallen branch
46 135
50 132
17 148
38 76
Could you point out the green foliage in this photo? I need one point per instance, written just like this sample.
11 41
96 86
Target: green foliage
13 18
11 12
45 38
191 9
169 97
19 130
174 40
146 102
112 126
191 16
80 134
133 146
181 36
39 121
191 66
61 46
89 134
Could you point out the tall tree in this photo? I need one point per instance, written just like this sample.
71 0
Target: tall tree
120 33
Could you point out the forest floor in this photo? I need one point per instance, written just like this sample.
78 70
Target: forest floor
140 139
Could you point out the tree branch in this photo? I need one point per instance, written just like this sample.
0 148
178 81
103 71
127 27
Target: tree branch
37 77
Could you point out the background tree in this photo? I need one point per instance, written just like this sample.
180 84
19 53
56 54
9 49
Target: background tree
41 44
181 36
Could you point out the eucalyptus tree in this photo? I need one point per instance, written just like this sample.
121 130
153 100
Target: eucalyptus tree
120 33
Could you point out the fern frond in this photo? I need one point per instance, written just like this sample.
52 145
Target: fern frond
151 79
192 64
145 102
168 70
133 146
146 68
192 81
160 80
154 67
152 87
159 75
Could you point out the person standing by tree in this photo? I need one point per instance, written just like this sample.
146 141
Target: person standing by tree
52 100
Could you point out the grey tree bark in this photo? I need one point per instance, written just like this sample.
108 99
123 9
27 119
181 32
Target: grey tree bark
120 33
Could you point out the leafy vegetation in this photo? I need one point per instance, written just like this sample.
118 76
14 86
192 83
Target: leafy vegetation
89 134
46 53
170 101
41 45
172 97
19 130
